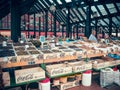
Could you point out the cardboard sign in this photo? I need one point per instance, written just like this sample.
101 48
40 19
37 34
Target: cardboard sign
42 38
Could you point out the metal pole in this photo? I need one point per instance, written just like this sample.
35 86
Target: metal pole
54 23
46 23
88 21
39 25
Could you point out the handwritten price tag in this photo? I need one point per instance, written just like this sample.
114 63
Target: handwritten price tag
79 57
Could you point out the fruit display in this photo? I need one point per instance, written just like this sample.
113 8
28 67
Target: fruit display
46 51
5 52
2 38
21 44
56 51
9 46
37 43
57 45
78 49
73 46
21 52
19 48
62 47
31 48
34 52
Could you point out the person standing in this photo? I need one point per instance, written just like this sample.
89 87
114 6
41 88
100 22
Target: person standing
92 36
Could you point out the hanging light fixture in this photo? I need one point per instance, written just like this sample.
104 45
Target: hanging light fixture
66 11
53 8
95 14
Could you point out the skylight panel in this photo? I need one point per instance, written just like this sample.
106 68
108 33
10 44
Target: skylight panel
102 9
42 4
95 10
46 3
82 12
51 1
95 0
103 23
72 13
68 1
77 14
111 8
115 20
118 4
59 1
106 20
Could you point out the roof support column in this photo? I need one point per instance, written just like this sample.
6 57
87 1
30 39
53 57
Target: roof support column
62 31
103 32
51 22
68 22
110 26
43 27
39 25
77 31
1 23
117 31
46 23
54 23
70 30
96 27
24 23
88 22
28 25
7 21
15 21
34 26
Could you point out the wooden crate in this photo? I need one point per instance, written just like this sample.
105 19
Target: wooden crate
6 78
6 60
58 69
58 52
69 85
80 66
48 55
98 65
107 64
69 52
25 75
117 62
113 63
79 52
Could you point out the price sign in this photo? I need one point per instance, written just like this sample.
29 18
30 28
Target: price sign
31 63
5 59
42 38
79 57
26 46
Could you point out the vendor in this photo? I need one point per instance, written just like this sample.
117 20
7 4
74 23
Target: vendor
92 36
